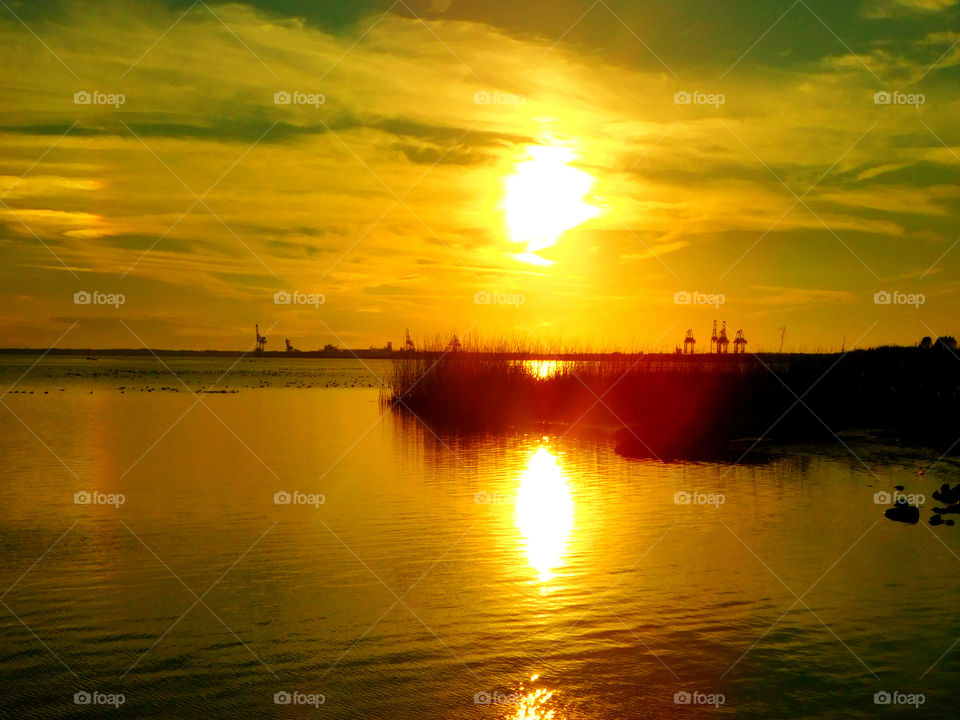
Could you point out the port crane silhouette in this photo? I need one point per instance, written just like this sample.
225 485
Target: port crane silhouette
723 343
719 342
739 344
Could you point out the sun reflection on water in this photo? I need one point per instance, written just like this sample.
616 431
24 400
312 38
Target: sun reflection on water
532 704
544 513
542 369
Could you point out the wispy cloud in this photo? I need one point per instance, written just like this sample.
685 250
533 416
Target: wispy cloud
877 9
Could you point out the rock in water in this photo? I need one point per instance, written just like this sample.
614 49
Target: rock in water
903 513
947 495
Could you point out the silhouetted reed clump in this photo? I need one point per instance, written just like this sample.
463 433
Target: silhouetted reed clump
689 406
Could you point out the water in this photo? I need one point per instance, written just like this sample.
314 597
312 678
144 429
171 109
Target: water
439 573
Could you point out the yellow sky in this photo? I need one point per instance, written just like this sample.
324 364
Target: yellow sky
457 155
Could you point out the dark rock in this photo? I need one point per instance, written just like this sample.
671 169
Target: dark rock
947 495
903 513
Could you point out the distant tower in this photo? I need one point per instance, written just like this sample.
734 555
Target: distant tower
261 340
739 344
713 339
723 343
408 345
688 343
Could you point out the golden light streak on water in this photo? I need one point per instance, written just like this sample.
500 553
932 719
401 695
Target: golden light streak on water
544 513
542 368
532 704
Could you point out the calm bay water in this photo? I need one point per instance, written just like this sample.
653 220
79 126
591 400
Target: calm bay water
416 576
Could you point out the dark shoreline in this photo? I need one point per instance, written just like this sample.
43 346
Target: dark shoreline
148 352
671 359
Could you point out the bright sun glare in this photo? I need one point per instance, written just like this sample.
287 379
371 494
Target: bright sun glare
544 513
545 198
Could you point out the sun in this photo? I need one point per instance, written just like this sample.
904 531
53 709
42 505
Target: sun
545 198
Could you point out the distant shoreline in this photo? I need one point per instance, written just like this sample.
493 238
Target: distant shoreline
145 352
383 354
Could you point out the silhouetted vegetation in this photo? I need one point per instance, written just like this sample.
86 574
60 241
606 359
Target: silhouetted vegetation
693 406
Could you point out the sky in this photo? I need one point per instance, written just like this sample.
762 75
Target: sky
599 174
